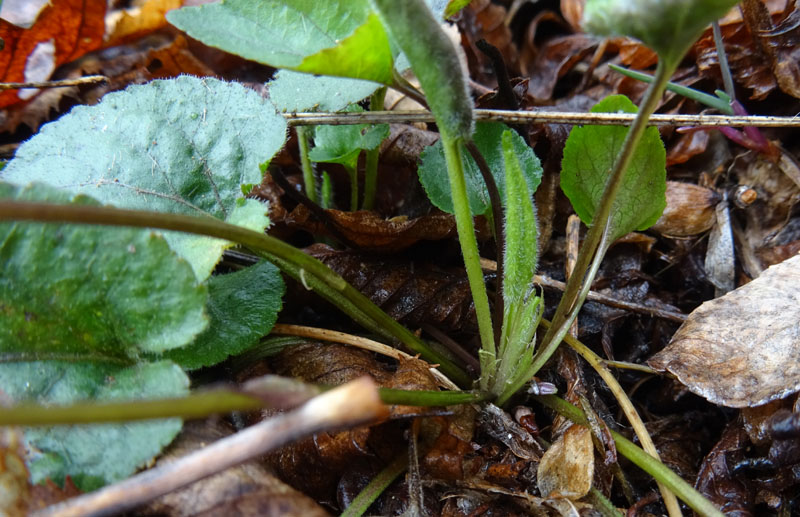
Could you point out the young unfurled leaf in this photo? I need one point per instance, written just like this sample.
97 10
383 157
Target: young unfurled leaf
334 37
295 91
590 153
343 144
243 307
91 293
184 145
488 139
521 239
93 455
522 306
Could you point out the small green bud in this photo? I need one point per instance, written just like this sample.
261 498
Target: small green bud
669 27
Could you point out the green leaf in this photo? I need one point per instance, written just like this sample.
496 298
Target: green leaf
184 145
487 138
590 153
87 292
667 26
343 144
93 455
521 233
454 6
435 62
522 307
332 37
295 92
243 307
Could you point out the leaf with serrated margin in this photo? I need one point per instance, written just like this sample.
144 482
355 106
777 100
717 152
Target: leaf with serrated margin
91 293
184 145
488 139
243 307
589 155
98 454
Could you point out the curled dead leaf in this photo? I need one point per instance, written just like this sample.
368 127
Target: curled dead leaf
742 349
690 210
567 467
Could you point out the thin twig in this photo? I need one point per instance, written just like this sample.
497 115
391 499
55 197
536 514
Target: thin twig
594 296
89 79
356 341
354 403
551 117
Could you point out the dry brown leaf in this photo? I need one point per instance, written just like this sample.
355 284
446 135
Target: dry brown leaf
135 23
690 210
246 490
567 467
64 31
369 231
742 349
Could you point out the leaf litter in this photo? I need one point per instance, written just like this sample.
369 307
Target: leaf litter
674 269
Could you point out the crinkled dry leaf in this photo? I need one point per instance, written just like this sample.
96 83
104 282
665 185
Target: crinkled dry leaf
717 480
690 210
246 490
64 31
369 231
567 467
742 349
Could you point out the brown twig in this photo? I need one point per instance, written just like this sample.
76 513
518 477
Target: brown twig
351 404
553 117
89 79
594 296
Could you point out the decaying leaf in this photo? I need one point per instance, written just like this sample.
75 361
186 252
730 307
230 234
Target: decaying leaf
742 349
369 231
567 467
690 210
248 490
63 31
414 294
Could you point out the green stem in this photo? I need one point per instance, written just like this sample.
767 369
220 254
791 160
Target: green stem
196 405
569 305
371 172
469 250
305 162
353 173
721 105
640 458
376 487
303 266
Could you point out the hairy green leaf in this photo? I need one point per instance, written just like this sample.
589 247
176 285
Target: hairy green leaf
333 37
667 26
89 292
343 144
521 233
435 62
184 145
590 153
487 137
294 92
522 307
93 455
243 307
